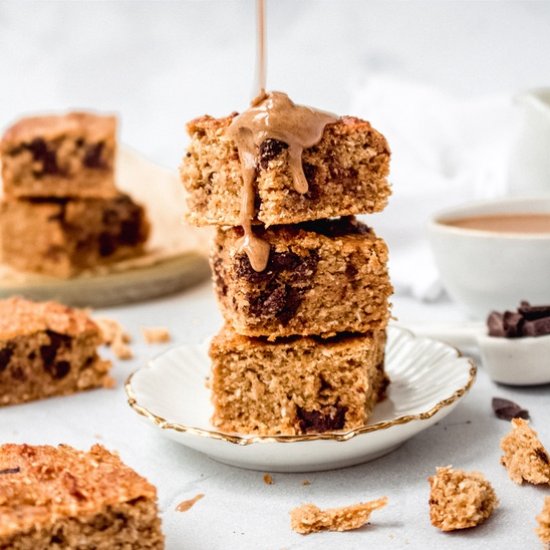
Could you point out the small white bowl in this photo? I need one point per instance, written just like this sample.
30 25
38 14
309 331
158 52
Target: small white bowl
485 270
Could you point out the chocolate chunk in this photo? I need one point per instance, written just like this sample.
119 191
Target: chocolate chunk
506 409
299 267
283 261
269 149
513 324
41 153
93 155
537 327
495 324
531 313
107 244
48 352
341 227
273 302
351 271
293 299
542 454
317 421
59 369
130 231
17 373
310 170
15 470
5 356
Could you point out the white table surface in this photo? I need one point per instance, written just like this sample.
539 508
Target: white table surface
158 64
239 510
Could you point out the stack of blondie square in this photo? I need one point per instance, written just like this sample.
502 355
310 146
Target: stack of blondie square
61 212
302 349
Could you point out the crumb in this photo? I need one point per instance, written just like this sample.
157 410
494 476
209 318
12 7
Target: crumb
188 504
308 518
122 350
112 331
268 480
524 457
459 499
156 335
116 337
109 383
306 482
543 519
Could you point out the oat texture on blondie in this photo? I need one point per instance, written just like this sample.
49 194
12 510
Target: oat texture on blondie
60 497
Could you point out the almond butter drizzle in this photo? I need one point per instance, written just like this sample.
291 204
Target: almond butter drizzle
273 116
270 116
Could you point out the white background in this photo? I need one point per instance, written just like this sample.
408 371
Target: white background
158 64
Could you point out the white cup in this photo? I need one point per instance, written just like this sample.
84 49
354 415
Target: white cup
485 270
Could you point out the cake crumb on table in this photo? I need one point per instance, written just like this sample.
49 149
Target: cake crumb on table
543 519
115 336
524 457
459 499
156 335
268 479
308 518
306 482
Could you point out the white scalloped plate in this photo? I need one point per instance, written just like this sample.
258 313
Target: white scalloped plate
428 379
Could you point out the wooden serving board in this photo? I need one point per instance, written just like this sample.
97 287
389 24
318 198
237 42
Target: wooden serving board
175 258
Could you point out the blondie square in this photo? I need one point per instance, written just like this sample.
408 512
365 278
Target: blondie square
459 499
64 237
346 173
322 278
70 155
59 497
295 385
47 349
525 458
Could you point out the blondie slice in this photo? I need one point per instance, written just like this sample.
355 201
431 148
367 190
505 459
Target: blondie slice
322 278
47 349
59 497
70 155
346 174
63 237
296 385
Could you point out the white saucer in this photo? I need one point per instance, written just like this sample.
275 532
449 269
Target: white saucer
428 379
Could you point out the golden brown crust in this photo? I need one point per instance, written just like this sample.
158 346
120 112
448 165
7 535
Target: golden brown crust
20 317
347 174
459 499
308 518
525 458
42 486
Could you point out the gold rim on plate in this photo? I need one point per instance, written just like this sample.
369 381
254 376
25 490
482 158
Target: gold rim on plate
244 440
